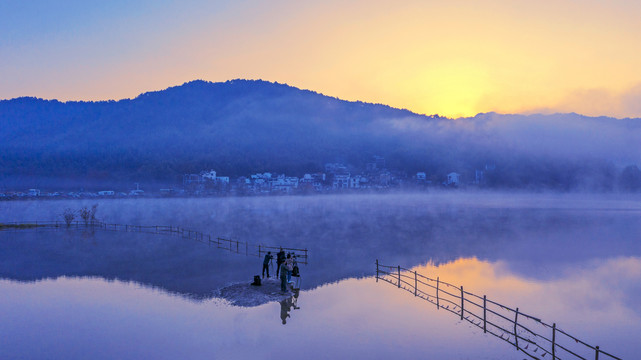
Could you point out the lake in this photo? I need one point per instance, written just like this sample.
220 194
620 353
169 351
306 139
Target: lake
572 260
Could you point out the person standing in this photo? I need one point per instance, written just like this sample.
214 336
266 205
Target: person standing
280 258
283 277
296 274
268 258
290 266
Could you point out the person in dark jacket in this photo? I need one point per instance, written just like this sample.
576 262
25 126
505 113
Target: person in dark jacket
280 258
268 258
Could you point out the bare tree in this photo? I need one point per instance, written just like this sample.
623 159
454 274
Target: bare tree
69 215
94 208
88 215
85 214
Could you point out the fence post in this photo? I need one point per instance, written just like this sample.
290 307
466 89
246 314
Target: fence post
126 228
484 314
258 250
516 337
596 356
399 276
415 283
462 304
437 301
554 341
376 269
237 250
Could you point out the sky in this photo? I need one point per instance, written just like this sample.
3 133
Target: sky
452 58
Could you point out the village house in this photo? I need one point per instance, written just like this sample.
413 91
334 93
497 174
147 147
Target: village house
222 180
358 182
384 179
453 179
479 177
341 181
284 184
210 175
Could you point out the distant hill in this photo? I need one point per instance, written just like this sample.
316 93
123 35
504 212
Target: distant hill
244 126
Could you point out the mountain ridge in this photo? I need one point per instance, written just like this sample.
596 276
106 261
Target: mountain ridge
241 127
237 80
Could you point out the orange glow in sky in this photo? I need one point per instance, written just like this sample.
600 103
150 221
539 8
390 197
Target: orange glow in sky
454 58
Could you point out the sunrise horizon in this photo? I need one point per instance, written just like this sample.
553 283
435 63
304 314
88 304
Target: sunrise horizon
543 112
455 59
365 179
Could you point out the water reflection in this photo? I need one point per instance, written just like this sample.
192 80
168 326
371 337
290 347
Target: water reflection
353 318
572 262
535 243
537 236
596 302
289 304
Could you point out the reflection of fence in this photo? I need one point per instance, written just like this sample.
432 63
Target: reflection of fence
235 246
521 330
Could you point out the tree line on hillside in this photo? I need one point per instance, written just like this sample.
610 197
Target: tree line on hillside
242 127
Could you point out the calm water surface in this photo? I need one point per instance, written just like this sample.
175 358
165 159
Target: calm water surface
74 294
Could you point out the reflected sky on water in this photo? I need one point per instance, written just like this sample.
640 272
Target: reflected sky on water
569 260
355 318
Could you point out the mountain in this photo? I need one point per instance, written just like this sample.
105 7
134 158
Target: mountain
241 127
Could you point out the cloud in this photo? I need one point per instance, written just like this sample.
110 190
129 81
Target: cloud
597 102
631 101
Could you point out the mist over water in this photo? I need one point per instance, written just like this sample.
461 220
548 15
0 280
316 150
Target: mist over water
536 235
571 258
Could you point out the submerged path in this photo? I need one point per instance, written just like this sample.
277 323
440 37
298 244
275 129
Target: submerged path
234 246
526 333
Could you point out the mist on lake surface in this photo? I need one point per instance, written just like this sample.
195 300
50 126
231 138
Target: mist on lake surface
570 259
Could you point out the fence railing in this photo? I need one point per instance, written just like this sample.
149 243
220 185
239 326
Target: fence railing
526 333
234 246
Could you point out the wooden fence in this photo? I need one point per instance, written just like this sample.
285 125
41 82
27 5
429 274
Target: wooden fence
234 246
526 333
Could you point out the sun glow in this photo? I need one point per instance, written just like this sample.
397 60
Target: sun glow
451 58
452 89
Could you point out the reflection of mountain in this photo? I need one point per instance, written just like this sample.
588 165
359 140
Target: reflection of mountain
178 266
344 235
241 127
